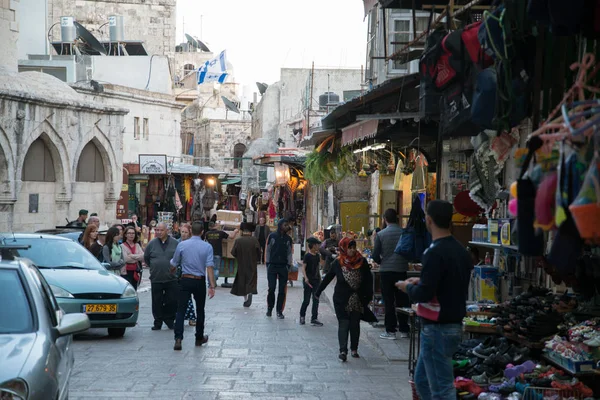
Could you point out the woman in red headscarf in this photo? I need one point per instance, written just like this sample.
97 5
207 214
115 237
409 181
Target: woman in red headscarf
352 294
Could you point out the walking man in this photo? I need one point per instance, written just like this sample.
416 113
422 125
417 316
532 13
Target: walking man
215 237
392 268
279 260
312 280
442 296
262 232
195 257
158 255
329 249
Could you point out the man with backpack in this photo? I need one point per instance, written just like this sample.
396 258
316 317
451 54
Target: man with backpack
393 268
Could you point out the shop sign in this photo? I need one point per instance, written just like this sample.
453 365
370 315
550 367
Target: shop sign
153 164
359 131
124 187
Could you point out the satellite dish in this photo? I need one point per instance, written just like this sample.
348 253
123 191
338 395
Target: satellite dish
192 41
86 37
262 87
230 105
202 46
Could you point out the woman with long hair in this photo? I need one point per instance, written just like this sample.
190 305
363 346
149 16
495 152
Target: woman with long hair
112 252
133 256
90 241
352 294
190 313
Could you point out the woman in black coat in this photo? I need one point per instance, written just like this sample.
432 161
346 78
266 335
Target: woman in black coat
353 292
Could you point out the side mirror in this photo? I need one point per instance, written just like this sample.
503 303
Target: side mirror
73 323
105 265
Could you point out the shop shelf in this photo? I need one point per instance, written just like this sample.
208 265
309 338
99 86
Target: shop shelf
494 246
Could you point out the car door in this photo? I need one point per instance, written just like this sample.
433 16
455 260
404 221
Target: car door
61 347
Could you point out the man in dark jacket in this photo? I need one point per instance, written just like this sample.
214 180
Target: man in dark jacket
262 232
278 259
164 289
441 294
392 268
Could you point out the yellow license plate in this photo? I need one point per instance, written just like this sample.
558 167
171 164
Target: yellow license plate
100 308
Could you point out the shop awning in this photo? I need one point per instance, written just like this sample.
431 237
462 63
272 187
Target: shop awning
317 137
190 169
383 98
289 159
359 131
231 181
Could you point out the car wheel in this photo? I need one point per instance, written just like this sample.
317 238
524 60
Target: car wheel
116 332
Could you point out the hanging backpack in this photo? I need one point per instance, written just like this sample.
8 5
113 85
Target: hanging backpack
429 95
470 39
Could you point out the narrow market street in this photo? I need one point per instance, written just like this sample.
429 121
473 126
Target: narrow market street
248 356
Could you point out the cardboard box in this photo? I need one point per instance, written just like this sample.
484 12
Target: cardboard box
227 246
229 216
485 283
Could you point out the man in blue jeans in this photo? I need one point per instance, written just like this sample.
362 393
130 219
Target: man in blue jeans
441 294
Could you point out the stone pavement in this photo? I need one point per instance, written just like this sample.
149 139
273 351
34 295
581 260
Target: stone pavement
248 356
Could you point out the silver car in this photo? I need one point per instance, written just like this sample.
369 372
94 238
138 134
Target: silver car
36 355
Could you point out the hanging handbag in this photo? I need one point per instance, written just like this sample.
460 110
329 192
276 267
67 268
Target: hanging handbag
531 243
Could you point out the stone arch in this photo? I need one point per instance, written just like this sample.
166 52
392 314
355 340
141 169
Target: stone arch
104 146
90 166
7 164
238 152
56 146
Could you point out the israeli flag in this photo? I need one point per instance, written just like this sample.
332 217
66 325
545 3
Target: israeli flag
214 70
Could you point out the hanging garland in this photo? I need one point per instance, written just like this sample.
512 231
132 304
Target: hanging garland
324 166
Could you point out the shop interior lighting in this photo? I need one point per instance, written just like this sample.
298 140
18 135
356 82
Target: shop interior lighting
282 173
378 146
210 181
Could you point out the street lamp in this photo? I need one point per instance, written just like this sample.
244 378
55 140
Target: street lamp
282 173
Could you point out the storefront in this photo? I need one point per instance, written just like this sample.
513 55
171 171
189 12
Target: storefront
162 191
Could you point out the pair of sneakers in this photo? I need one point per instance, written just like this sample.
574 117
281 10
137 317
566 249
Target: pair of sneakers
392 335
313 322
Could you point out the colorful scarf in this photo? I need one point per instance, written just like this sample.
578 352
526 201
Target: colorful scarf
346 261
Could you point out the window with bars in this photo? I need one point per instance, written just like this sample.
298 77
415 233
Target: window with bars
146 129
400 34
136 128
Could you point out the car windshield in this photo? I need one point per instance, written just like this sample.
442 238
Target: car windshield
54 253
15 313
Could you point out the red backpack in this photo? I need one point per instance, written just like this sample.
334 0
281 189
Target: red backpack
473 47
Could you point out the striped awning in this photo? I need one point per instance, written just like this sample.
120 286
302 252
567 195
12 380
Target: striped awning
359 131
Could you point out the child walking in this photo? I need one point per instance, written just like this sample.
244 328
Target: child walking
312 280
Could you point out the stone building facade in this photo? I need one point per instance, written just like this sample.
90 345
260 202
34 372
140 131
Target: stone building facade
58 153
219 141
152 21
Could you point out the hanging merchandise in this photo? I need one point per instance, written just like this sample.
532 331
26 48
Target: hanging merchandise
483 184
419 177
399 175
197 209
586 207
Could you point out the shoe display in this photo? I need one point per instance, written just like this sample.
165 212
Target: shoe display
302 320
481 380
316 322
388 335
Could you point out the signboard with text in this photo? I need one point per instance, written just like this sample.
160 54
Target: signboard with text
153 164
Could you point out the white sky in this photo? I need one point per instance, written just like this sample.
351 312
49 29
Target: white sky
262 36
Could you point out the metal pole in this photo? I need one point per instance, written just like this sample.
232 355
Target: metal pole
328 98
312 81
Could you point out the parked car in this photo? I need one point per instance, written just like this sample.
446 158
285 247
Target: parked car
36 351
80 283
73 233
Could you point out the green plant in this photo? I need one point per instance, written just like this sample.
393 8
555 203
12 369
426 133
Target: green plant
324 168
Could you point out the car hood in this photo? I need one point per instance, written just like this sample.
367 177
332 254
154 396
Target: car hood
14 352
76 281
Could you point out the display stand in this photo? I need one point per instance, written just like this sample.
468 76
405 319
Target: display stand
414 338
